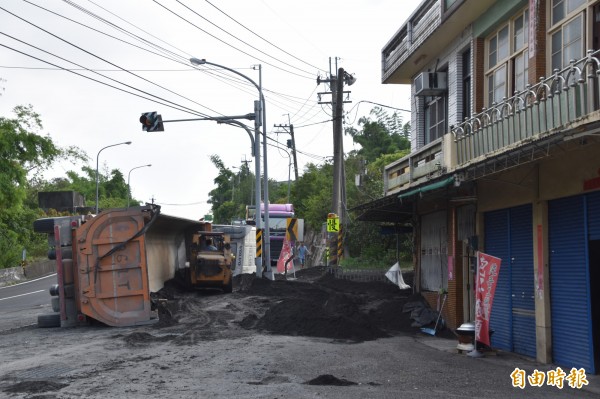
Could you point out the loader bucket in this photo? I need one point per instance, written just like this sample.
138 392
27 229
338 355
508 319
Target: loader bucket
122 256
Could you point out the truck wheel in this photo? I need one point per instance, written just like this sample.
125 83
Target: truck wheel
55 301
228 288
48 320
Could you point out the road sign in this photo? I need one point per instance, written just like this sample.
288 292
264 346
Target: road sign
333 225
291 230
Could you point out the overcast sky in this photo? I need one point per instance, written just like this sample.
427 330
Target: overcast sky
139 50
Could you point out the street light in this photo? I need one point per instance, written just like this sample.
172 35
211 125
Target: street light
128 177
260 113
97 159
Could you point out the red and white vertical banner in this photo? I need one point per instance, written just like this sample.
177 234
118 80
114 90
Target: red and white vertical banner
286 252
488 269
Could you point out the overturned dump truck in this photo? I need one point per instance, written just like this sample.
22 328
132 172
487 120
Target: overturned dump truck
109 265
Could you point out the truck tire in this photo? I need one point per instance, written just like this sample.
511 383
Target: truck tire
55 301
48 320
45 225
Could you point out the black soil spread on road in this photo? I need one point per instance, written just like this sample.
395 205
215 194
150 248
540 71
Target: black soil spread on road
314 304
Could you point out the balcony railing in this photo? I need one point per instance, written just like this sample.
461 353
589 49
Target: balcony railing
546 108
411 35
414 168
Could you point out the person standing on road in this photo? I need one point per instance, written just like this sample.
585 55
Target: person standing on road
302 252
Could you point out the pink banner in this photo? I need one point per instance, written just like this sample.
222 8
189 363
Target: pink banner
488 268
286 253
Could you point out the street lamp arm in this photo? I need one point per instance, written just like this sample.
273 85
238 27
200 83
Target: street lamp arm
97 164
240 124
197 62
128 178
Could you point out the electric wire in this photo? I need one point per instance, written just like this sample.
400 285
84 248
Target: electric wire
237 38
137 27
228 44
170 56
104 60
213 72
260 37
171 105
104 33
123 30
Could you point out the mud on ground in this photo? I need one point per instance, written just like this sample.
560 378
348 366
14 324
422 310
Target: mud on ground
196 333
314 304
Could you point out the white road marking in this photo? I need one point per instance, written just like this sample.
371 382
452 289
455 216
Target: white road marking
16 296
28 281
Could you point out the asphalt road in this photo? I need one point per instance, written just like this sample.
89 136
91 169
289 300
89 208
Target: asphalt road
20 303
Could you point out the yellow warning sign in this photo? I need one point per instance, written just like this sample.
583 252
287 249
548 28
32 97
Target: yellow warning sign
333 225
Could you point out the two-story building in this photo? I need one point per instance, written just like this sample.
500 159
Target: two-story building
505 159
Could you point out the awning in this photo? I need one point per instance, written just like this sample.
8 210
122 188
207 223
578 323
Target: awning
396 208
387 209
428 187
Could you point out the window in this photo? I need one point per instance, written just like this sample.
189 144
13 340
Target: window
466 85
567 32
435 118
507 59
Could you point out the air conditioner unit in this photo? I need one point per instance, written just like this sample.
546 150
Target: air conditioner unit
431 83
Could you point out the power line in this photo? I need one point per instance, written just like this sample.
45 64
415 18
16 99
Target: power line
174 106
100 58
228 44
237 38
257 35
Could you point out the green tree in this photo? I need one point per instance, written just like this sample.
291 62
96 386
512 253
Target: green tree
24 155
385 135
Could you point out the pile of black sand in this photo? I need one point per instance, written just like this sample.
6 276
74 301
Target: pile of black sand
330 308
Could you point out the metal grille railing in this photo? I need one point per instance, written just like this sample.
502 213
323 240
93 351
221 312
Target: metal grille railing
554 102
361 275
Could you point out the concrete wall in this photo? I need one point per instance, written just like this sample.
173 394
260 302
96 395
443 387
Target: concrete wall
15 275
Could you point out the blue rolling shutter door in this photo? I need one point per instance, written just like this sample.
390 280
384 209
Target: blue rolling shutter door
509 236
497 244
523 291
569 296
593 208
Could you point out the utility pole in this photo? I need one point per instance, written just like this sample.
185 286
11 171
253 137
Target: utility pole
291 144
338 205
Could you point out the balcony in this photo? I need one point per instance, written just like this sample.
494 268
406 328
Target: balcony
518 130
427 33
415 168
410 37
525 124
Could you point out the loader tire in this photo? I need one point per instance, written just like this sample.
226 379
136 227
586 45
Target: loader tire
228 288
48 320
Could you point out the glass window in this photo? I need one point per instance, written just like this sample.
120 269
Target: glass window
521 35
507 59
503 44
562 8
497 85
567 43
521 68
435 118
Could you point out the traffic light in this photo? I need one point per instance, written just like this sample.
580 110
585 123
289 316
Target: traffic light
152 122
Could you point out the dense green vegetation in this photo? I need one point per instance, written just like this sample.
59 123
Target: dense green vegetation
383 139
25 154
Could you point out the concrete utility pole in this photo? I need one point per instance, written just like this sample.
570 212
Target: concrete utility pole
292 146
337 87
338 203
